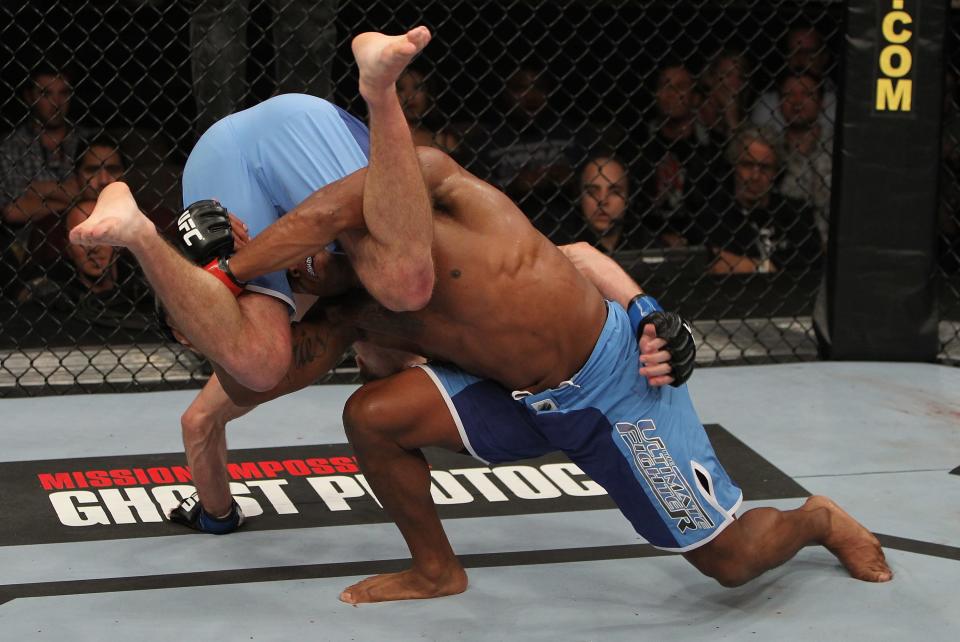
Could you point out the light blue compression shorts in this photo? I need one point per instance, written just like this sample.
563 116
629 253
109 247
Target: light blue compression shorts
262 162
644 445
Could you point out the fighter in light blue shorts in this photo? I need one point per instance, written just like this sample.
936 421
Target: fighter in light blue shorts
261 162
644 445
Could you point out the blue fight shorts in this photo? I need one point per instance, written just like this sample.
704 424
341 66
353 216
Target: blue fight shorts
262 162
644 445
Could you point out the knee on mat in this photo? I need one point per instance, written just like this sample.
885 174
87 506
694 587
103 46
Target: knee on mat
728 575
728 569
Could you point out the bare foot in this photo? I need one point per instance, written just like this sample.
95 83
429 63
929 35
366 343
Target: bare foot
405 585
116 220
381 58
856 547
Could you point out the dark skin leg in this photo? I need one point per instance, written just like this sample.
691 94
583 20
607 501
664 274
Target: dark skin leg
764 538
388 422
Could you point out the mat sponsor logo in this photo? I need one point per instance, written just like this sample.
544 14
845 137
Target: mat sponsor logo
288 487
656 466
111 497
894 89
139 504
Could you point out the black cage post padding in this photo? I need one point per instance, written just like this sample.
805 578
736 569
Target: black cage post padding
881 292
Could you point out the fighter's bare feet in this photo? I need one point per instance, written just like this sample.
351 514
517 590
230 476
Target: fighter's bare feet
381 58
857 548
405 585
116 220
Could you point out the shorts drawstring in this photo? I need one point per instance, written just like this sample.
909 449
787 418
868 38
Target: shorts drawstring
520 394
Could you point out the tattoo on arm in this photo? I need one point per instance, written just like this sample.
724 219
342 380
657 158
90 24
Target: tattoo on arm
308 347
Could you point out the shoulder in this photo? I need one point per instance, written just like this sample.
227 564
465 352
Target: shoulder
16 139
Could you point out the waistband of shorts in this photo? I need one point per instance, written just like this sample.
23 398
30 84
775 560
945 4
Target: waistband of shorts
599 358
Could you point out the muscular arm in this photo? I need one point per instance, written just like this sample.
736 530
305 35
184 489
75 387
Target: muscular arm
333 211
616 285
603 272
305 230
40 199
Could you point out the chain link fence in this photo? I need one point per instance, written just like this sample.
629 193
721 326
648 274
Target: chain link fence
949 214
691 140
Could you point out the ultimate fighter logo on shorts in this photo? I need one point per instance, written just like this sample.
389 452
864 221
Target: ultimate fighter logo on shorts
654 463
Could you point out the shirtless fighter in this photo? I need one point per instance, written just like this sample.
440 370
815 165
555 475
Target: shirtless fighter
543 363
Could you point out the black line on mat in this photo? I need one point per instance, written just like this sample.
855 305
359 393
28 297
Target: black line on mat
344 569
316 571
921 548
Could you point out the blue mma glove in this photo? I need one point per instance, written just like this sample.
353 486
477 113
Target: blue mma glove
190 513
644 309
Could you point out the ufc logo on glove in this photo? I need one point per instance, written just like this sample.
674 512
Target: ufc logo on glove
186 225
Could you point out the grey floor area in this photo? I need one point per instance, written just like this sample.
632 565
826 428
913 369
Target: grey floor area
881 439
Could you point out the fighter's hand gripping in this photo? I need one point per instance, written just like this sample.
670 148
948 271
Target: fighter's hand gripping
205 236
670 327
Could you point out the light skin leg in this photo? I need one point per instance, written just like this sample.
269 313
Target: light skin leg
256 348
205 442
764 538
318 345
388 422
394 259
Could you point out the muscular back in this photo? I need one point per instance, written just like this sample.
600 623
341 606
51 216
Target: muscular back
507 304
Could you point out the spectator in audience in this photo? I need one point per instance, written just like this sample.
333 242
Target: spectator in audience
726 100
762 230
531 154
304 39
806 53
808 139
37 158
99 163
36 167
682 163
605 199
417 97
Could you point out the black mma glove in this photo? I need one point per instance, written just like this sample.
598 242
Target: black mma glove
644 309
205 237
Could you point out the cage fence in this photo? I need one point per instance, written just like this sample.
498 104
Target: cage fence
690 140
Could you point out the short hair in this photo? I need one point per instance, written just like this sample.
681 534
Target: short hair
749 135
804 24
799 75
49 68
670 62
98 140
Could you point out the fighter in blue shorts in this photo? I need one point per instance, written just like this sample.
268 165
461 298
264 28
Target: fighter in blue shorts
644 445
521 315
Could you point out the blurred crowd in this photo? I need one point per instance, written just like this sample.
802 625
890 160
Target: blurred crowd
725 175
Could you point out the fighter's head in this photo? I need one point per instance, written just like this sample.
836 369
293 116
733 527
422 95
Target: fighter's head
324 274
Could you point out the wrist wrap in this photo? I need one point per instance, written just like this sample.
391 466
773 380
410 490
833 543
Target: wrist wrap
220 268
639 307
